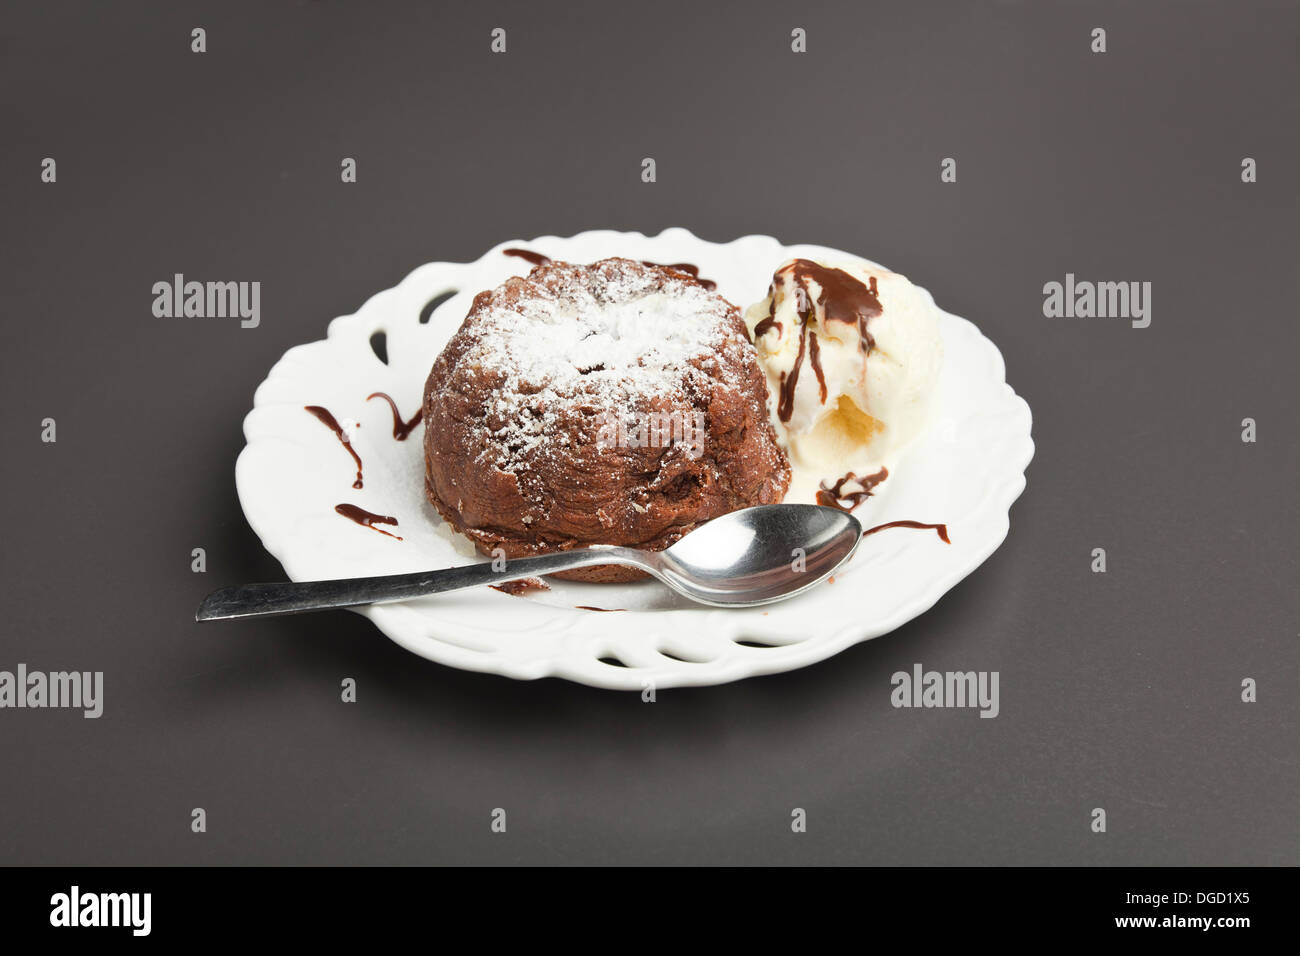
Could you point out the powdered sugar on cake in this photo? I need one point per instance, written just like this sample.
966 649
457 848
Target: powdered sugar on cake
616 336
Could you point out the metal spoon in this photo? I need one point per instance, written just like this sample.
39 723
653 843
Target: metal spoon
755 556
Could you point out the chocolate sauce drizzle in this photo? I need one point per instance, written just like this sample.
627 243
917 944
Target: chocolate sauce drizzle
689 268
832 496
815 360
587 607
692 270
367 519
401 430
842 298
785 399
330 422
522 586
536 258
940 529
769 323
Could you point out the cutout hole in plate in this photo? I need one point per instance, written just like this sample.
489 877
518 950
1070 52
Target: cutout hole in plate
433 303
750 642
379 345
611 661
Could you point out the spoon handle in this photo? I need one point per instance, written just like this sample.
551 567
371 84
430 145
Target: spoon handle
295 597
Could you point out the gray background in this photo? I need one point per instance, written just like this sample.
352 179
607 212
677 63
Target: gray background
1118 690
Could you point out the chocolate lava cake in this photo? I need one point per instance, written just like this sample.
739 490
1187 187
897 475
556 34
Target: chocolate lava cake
614 403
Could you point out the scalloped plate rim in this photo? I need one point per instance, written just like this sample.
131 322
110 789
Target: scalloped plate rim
448 649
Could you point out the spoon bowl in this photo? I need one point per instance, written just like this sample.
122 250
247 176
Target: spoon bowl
759 555
742 559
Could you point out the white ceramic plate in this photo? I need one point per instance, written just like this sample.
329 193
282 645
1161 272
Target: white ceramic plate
965 470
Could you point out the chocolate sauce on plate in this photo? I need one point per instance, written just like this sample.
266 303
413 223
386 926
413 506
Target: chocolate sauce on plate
330 422
367 519
401 429
536 258
585 607
831 496
940 529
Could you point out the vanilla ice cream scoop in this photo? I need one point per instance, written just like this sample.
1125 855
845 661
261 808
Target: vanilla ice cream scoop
852 354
